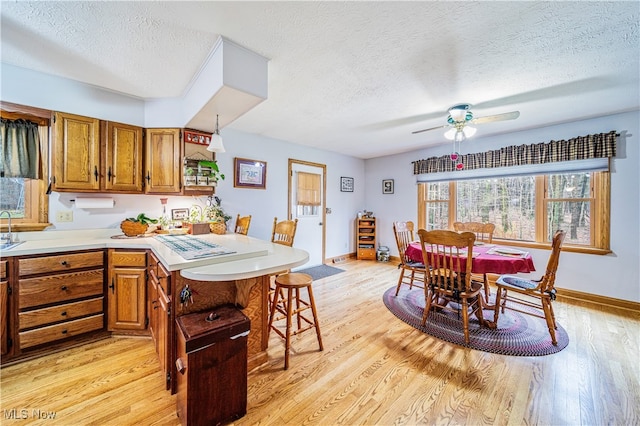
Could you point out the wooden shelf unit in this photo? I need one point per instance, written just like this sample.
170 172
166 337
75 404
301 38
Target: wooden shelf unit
366 238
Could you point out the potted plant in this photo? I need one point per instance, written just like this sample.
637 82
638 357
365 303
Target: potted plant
216 216
189 176
134 226
214 174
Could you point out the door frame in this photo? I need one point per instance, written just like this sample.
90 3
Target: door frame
324 196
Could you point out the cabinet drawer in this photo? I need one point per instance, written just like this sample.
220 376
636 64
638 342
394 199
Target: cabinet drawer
59 288
129 258
60 263
60 331
366 254
59 313
3 269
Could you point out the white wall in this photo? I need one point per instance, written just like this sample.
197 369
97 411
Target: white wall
615 275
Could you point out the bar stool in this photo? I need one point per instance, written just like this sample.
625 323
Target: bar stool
292 282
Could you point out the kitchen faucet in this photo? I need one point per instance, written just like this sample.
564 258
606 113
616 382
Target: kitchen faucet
8 239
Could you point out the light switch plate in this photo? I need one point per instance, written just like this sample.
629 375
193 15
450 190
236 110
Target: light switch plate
64 216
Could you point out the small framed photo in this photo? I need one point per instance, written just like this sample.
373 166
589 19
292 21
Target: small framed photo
387 186
249 173
346 184
179 214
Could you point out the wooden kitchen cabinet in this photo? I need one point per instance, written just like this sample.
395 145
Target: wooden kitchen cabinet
126 291
89 155
60 296
163 166
5 327
159 283
75 153
122 152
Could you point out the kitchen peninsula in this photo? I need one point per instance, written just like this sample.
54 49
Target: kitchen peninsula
53 262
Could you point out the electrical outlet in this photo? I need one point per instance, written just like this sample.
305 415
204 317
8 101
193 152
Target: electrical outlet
64 216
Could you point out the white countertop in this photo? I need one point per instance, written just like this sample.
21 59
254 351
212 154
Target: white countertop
252 257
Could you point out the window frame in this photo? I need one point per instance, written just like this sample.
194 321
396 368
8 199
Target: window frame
36 199
600 195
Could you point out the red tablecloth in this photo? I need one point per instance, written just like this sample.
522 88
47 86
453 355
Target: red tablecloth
485 262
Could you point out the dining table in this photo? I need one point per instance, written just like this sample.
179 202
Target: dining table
487 258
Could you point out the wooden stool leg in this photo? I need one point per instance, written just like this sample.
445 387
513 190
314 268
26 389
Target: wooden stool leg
287 344
272 309
315 316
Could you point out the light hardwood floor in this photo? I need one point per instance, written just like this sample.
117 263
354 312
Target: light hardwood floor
375 369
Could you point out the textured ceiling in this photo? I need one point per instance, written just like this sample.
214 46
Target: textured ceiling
352 77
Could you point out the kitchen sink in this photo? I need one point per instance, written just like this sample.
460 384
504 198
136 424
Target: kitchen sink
9 246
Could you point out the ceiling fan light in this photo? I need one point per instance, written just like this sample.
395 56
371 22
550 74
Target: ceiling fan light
459 112
459 136
450 134
216 140
469 131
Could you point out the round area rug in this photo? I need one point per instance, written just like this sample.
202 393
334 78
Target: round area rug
516 334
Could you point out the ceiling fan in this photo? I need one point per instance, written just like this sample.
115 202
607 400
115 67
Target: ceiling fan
459 120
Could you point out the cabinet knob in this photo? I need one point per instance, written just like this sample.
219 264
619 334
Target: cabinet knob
64 263
64 331
64 313
95 172
109 174
63 288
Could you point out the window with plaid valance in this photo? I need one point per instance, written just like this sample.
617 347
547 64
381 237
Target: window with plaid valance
589 152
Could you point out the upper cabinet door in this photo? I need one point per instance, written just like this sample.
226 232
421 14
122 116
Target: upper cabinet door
123 158
163 161
76 153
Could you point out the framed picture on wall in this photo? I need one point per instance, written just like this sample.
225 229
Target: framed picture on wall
179 214
346 184
387 186
249 173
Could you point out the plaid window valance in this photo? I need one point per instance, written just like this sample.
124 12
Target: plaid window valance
602 145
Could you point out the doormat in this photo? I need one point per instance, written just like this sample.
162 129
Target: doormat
320 271
517 334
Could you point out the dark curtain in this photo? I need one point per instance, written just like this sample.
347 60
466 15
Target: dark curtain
19 149
600 145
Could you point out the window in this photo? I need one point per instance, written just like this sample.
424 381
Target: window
525 209
26 199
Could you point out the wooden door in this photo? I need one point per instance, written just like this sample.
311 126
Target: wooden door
122 157
126 299
152 309
76 153
163 167
162 332
4 309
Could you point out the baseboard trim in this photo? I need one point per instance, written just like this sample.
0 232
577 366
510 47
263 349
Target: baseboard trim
569 296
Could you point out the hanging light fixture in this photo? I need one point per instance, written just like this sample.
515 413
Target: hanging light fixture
216 140
459 116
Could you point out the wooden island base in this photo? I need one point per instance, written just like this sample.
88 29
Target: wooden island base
250 295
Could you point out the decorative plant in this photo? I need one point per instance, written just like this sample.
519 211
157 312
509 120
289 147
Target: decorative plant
215 173
214 211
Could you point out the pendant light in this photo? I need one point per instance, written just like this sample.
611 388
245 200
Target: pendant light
216 140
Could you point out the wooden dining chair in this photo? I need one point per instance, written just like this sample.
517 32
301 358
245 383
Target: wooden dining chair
446 279
283 233
537 294
411 273
484 234
242 224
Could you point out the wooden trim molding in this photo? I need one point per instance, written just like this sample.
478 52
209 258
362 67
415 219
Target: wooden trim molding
572 296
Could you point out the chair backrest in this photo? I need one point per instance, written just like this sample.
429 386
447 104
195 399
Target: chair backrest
404 236
483 231
443 252
242 224
284 231
548 281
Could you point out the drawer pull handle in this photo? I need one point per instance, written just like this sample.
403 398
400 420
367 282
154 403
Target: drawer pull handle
64 313
64 263
63 288
112 286
64 331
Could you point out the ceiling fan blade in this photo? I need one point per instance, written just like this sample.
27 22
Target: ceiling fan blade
498 117
431 128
